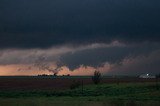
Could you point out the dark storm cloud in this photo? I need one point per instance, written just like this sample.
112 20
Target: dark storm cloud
97 57
138 65
114 58
45 23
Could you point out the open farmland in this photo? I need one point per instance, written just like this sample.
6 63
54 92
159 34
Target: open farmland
57 83
49 91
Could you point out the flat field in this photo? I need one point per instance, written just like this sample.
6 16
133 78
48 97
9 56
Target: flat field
56 91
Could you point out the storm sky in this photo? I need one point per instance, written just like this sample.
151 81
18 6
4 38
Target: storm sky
116 37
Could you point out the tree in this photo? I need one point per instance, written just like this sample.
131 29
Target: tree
157 81
97 77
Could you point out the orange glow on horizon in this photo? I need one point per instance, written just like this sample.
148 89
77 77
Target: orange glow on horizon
17 70
13 70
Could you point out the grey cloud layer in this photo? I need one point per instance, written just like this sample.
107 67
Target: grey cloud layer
114 54
29 56
125 59
138 65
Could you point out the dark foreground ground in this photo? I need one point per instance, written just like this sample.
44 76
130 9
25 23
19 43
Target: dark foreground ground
56 91
58 83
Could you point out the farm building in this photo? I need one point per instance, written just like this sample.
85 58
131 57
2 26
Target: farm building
147 76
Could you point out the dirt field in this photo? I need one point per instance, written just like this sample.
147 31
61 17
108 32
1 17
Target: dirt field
55 91
56 83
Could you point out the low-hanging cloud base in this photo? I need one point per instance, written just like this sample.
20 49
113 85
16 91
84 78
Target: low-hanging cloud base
115 58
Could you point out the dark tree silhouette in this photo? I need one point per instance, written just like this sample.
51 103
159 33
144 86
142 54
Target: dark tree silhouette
97 77
157 81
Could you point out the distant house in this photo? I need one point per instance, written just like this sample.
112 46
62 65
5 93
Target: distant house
147 76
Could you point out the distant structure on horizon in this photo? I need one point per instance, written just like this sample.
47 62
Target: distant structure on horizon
147 76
